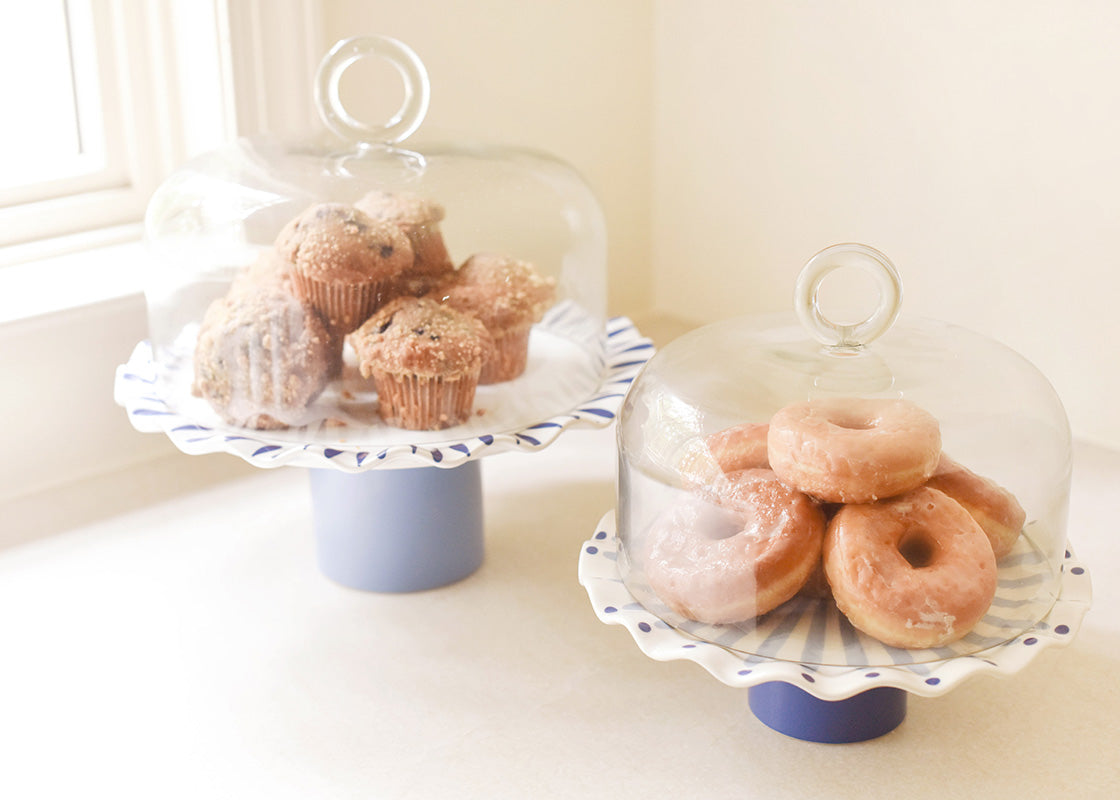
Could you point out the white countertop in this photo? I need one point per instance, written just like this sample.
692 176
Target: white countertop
160 646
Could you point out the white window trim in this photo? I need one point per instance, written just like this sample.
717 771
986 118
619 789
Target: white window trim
52 289
264 49
139 87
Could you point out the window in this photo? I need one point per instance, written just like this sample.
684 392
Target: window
101 99
54 142
98 92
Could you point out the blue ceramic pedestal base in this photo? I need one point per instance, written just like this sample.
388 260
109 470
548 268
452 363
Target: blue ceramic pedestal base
791 710
398 530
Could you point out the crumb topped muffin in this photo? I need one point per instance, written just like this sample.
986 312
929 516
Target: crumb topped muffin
270 273
508 296
343 262
419 219
425 359
262 356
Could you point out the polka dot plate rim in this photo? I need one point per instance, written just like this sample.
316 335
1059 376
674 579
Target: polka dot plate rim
149 410
614 604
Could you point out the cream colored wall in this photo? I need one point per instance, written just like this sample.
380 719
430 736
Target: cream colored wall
571 77
977 144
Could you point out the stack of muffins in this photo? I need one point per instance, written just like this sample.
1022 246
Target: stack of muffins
376 274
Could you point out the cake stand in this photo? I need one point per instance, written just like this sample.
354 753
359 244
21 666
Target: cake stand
395 510
808 672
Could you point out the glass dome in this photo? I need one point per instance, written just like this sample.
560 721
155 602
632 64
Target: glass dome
799 488
243 217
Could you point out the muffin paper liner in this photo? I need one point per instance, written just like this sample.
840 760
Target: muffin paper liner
344 307
418 403
508 358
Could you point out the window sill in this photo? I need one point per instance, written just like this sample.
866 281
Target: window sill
75 272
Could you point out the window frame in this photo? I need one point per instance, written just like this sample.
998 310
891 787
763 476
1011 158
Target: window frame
126 77
69 301
91 71
146 54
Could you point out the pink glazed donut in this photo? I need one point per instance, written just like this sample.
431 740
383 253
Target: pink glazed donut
853 450
913 571
743 556
706 460
993 507
741 446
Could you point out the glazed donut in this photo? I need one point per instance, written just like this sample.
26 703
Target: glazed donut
853 450
729 562
913 571
740 447
732 449
994 508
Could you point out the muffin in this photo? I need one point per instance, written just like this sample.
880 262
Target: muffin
343 262
269 272
508 296
419 219
262 356
425 359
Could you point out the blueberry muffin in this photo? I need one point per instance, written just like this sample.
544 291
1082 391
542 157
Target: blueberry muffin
262 356
508 296
425 359
343 262
419 219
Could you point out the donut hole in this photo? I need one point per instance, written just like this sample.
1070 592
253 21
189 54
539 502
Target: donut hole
853 422
918 548
714 522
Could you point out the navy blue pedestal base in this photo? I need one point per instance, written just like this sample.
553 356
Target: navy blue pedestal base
398 530
794 712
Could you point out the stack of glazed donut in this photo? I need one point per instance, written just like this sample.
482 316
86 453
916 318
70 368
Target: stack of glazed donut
848 497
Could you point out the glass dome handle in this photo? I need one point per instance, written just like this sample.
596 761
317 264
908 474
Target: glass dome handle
417 90
871 261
